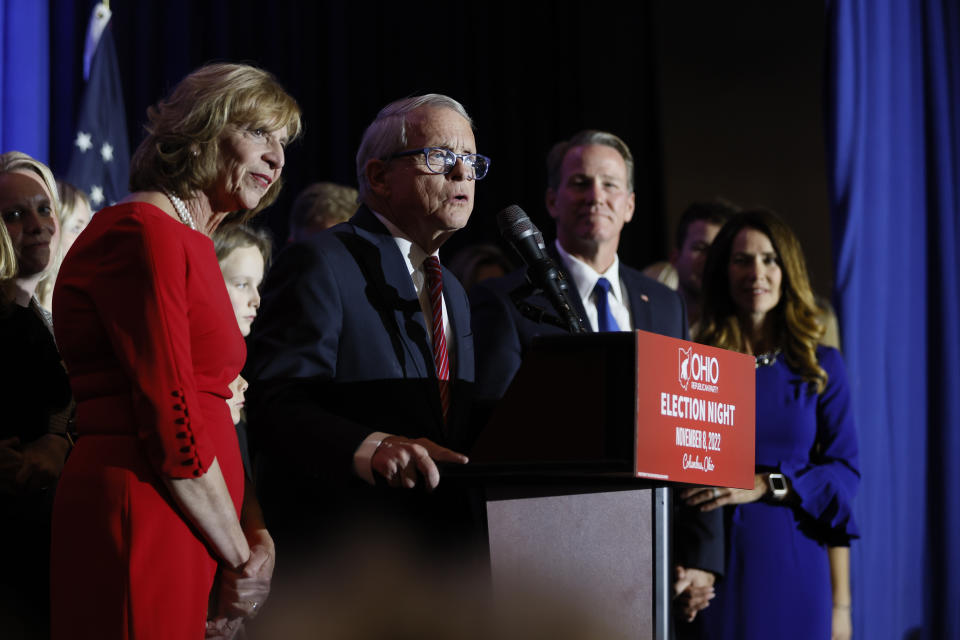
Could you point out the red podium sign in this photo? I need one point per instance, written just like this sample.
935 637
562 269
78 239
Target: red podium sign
695 413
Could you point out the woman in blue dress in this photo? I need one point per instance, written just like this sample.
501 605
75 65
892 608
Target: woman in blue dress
787 546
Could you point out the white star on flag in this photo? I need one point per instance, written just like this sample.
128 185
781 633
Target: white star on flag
100 157
83 141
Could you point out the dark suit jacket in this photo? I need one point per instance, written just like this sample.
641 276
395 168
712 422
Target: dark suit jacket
341 350
502 335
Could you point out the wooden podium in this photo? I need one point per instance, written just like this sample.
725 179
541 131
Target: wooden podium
575 495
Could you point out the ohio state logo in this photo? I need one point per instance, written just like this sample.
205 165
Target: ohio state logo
697 370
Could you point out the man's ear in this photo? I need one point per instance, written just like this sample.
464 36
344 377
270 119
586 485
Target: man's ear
674 254
376 171
550 199
633 203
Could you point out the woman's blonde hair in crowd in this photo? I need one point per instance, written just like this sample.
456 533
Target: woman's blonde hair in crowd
8 259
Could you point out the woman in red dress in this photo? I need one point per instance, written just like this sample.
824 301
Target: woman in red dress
147 509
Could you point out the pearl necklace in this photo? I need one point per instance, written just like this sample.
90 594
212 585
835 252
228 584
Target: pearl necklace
181 210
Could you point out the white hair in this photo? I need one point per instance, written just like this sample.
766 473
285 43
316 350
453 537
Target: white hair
387 134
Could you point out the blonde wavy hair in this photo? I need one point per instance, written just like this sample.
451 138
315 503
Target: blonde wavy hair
181 152
796 325
8 259
321 205
8 270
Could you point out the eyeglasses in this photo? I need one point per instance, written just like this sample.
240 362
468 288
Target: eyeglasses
440 160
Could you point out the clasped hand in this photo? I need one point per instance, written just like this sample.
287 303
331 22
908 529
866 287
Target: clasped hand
693 591
243 590
33 466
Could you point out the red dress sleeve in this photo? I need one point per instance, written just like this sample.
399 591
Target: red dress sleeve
143 302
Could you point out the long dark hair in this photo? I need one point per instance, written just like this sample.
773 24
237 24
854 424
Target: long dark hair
796 326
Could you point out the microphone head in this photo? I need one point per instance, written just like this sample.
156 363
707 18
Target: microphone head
539 238
513 222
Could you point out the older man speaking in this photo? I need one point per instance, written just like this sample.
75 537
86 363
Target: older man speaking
361 363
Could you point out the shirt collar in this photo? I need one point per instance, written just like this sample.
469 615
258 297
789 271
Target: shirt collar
412 254
584 276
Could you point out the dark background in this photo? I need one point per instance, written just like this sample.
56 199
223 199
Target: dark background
713 98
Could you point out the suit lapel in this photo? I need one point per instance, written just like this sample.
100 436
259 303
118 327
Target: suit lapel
409 322
396 291
640 309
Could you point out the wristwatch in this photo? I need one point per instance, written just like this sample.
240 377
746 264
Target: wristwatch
778 486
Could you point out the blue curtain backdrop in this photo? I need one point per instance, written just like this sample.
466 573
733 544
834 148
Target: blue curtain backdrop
25 77
893 144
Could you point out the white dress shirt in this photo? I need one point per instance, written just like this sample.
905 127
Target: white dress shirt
584 278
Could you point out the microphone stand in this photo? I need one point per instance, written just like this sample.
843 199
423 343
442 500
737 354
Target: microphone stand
539 314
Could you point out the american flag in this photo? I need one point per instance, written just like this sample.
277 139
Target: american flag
100 162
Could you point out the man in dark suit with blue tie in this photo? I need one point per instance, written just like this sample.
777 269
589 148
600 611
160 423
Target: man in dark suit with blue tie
590 196
361 363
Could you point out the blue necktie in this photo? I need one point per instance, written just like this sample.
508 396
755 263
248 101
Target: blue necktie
605 319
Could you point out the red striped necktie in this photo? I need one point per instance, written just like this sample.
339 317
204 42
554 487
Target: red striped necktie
431 267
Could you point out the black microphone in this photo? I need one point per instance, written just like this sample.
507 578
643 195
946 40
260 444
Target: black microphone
517 229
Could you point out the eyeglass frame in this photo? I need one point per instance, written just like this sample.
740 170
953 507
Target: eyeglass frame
457 156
